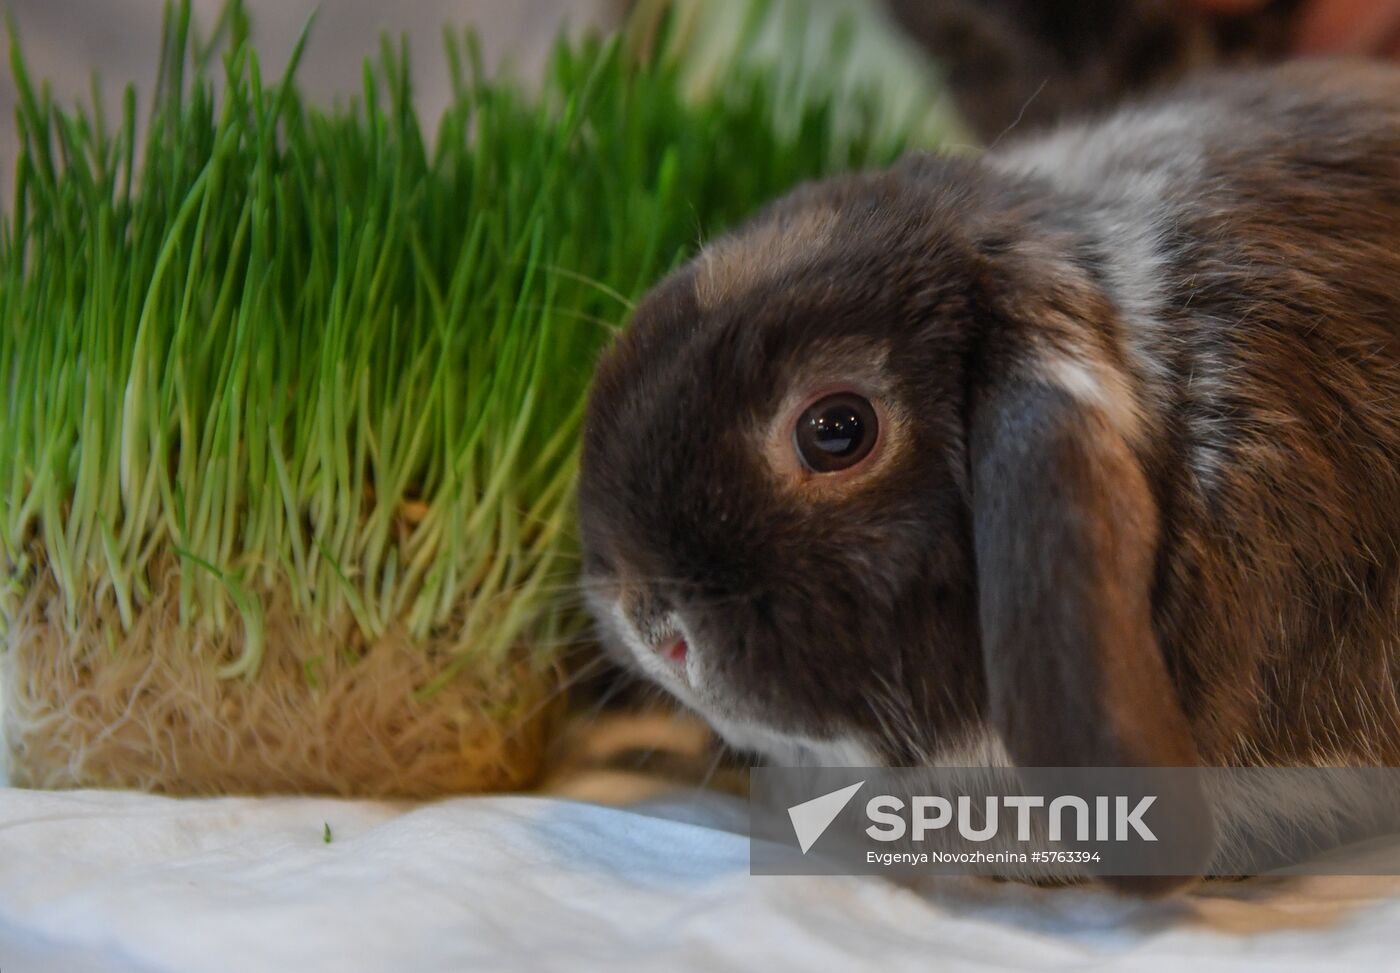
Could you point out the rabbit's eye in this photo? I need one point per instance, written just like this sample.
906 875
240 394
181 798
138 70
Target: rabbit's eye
836 432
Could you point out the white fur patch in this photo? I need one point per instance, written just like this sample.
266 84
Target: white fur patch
1129 173
1092 156
1099 386
982 748
794 750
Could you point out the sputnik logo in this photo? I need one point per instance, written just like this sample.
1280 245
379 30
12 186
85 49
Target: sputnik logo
810 819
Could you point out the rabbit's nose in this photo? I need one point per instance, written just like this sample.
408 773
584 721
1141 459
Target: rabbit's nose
651 613
673 649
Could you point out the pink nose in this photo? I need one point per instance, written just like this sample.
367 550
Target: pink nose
673 649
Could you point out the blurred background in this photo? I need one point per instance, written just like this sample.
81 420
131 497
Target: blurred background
66 40
68 43
1003 63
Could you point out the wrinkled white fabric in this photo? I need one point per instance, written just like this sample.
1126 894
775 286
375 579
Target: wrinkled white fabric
120 881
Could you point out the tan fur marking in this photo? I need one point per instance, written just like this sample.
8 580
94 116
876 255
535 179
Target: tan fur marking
731 266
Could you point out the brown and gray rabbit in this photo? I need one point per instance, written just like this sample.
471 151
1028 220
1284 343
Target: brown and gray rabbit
1083 453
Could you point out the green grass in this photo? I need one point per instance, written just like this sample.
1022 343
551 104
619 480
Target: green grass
286 348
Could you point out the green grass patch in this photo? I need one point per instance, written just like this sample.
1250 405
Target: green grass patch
282 347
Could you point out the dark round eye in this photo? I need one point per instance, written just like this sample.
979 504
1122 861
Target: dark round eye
836 433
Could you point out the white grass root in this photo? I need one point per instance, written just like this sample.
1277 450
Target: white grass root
98 707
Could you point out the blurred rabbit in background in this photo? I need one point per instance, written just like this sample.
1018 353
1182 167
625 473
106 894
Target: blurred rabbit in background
1027 63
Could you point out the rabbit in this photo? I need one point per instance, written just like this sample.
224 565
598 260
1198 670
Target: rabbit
1024 64
1084 452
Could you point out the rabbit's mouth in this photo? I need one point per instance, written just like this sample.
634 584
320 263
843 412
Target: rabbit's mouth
660 647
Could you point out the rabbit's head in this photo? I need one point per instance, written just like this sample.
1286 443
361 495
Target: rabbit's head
859 484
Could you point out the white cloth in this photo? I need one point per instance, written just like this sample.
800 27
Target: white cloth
121 881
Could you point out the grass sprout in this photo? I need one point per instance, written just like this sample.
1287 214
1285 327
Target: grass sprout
275 347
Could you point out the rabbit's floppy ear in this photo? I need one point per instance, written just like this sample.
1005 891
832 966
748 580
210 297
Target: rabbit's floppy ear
1065 532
